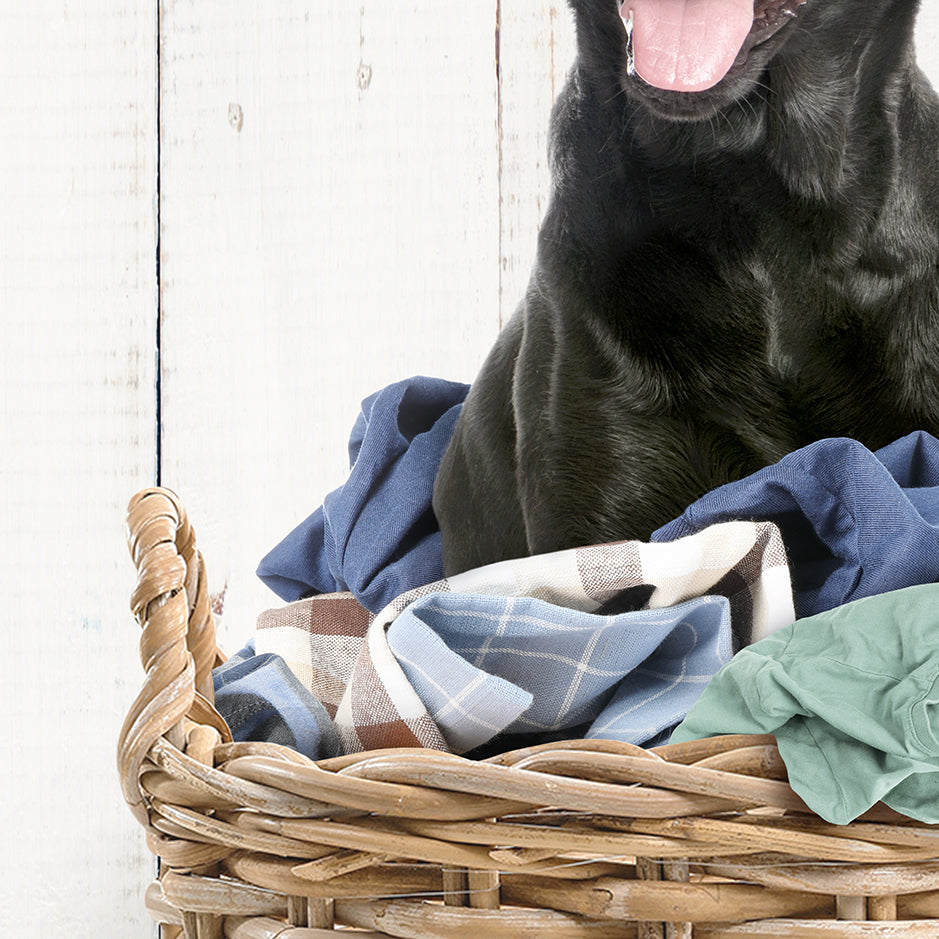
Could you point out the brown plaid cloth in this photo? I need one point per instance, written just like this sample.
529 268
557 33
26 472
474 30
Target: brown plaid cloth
340 651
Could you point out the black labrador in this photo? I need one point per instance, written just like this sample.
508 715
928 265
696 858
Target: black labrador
739 257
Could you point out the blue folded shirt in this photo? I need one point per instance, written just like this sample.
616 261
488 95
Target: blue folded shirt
376 535
855 523
261 699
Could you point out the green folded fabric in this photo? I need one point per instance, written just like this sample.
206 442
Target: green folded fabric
852 696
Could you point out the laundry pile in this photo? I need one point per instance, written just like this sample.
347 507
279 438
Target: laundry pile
797 587
524 647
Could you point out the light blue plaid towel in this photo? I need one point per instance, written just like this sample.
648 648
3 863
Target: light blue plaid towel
526 646
261 699
486 665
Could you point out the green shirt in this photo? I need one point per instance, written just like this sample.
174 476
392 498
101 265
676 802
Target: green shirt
852 696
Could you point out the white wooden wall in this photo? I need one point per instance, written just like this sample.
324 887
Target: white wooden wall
340 195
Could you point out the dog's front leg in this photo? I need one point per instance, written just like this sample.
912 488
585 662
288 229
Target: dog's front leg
475 497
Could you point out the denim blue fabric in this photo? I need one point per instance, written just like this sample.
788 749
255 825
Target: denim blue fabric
376 535
855 523
261 699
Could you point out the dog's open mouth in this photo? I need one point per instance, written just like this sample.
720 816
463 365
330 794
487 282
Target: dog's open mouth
690 45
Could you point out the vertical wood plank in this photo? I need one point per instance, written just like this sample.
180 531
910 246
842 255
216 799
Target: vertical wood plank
330 224
536 50
77 436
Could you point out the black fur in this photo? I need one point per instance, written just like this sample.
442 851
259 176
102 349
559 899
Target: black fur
722 277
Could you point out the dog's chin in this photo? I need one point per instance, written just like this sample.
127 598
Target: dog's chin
774 22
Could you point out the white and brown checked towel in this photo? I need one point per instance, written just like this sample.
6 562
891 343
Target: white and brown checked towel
342 652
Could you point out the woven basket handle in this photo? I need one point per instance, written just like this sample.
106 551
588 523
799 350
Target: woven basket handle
177 643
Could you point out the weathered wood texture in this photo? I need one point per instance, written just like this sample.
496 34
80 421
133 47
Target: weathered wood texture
350 195
77 373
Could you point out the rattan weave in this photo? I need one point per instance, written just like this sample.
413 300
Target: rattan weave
577 839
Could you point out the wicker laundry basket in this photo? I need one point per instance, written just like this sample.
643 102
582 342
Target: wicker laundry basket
584 838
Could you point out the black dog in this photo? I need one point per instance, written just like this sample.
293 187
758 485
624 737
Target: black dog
740 257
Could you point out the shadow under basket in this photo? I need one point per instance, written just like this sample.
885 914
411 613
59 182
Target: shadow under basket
577 839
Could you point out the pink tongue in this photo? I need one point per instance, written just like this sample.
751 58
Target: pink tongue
687 45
